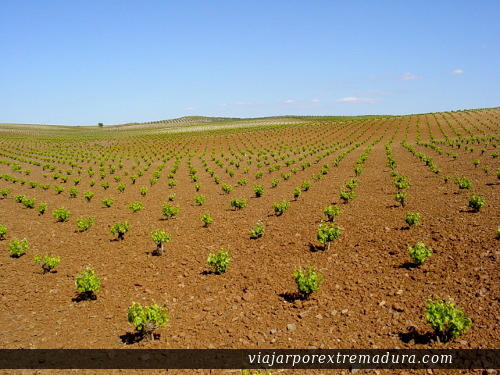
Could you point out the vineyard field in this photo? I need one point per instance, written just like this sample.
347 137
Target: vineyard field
373 294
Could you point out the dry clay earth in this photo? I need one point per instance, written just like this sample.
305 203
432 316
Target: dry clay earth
371 297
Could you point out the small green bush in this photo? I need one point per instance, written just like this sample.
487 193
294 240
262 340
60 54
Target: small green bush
279 208
206 218
88 195
463 183
147 319
29 202
220 261
306 185
242 181
5 191
327 233
84 223
476 202
172 183
412 218
331 212
199 199
120 229
61 214
256 372
401 182
88 283
3 231
258 231
18 247
401 198
171 197
19 198
42 207
258 190
105 185
169 211
47 262
419 253
238 203
447 321
159 237
275 182
353 184
308 281
296 192
143 191
358 169
108 202
59 189
227 188
135 206
347 196
121 188
73 192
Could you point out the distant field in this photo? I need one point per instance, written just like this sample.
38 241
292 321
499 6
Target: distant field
184 124
282 173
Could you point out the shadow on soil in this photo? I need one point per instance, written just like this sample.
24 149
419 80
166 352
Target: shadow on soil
412 334
208 272
407 265
393 206
131 338
471 211
84 297
292 297
314 248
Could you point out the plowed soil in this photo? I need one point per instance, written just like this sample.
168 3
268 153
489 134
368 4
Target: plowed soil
373 296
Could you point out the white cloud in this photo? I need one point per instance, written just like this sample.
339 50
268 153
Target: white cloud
289 101
409 77
190 109
355 100
458 71
315 101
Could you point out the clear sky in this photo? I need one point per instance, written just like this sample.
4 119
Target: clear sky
81 62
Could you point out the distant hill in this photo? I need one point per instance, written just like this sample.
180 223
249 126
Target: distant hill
177 125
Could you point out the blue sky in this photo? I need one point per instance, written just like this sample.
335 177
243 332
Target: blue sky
116 61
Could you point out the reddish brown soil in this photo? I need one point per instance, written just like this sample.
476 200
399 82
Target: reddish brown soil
372 296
